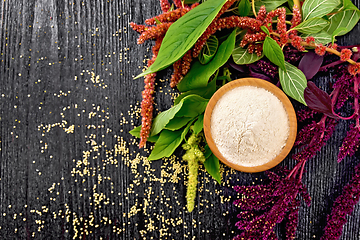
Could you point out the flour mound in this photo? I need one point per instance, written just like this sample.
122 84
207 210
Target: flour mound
249 126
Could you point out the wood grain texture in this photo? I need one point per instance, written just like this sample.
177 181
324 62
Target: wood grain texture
68 167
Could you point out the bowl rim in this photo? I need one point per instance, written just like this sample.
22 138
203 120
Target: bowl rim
288 108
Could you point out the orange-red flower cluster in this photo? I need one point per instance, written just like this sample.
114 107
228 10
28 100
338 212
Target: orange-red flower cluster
320 49
345 54
354 69
296 42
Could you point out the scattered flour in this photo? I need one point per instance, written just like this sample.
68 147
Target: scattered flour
249 126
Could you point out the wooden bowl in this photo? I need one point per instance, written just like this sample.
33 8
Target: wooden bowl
271 88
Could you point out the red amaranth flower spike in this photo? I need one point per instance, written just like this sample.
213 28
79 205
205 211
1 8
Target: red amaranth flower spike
258 49
261 14
280 12
222 23
251 48
254 37
147 108
155 32
138 28
178 3
166 17
224 8
176 77
345 54
181 68
186 62
165 5
296 19
281 24
147 103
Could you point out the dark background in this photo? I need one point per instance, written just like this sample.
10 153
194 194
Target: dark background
68 167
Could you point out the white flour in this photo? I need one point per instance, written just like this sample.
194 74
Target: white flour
249 126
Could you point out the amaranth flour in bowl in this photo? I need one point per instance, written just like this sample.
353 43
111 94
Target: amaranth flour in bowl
249 126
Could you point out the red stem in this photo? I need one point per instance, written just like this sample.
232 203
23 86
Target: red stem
322 122
302 170
334 94
293 171
344 118
323 68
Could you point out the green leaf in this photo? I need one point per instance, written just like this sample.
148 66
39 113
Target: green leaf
190 106
168 142
242 56
312 25
343 19
136 133
199 74
348 5
212 164
244 8
177 122
209 50
318 8
293 82
273 52
291 4
320 37
199 124
265 30
193 106
163 118
157 21
269 4
338 32
206 92
191 1
183 34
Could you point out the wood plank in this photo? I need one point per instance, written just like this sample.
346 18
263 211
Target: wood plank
68 167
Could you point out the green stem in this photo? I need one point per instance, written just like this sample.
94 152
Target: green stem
253 7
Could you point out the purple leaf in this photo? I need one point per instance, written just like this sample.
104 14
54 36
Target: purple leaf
261 76
240 68
318 100
310 64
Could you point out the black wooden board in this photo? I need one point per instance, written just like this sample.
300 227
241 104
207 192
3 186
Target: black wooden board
68 167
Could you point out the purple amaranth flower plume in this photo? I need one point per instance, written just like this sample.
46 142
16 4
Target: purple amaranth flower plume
264 206
350 143
343 206
267 68
313 137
